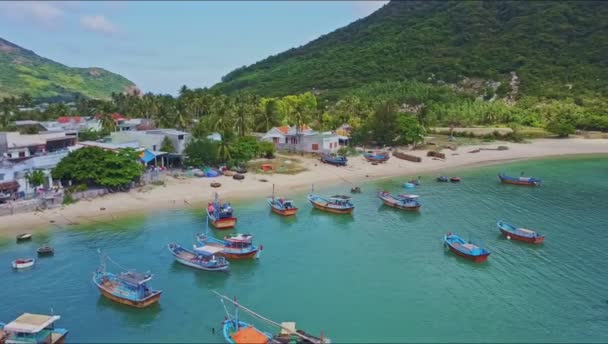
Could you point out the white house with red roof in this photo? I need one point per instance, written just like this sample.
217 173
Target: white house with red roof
305 140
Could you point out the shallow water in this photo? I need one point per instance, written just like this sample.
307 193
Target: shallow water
380 275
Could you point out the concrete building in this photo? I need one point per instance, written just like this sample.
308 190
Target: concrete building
306 140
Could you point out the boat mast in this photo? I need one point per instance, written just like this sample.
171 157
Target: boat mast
238 305
272 193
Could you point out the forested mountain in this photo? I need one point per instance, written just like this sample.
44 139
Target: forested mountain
556 49
22 71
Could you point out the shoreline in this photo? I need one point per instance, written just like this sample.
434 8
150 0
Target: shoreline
195 192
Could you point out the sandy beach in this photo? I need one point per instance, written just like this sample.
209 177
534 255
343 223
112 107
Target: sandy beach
194 192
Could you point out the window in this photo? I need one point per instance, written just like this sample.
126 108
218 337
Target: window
22 154
275 140
180 137
315 146
153 147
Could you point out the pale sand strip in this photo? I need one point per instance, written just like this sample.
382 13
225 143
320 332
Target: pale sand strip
193 192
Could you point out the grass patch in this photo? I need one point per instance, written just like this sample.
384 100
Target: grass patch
281 165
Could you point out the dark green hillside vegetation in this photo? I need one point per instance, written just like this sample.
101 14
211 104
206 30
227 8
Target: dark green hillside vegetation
557 49
22 71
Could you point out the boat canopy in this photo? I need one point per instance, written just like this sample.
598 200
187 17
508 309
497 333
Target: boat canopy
409 196
31 323
208 250
288 328
341 197
245 238
249 335
133 277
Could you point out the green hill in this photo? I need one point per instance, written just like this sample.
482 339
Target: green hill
22 71
556 49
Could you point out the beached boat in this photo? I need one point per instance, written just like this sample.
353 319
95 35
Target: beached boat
236 331
376 156
203 259
526 181
32 328
23 263
521 234
281 206
45 251
220 214
129 288
337 204
334 160
24 237
405 202
238 246
465 249
443 179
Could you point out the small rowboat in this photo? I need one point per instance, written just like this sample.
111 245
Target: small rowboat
355 189
376 156
23 263
202 260
526 181
443 179
455 179
334 160
404 202
281 206
24 237
521 234
33 328
465 249
336 204
220 214
45 251
238 246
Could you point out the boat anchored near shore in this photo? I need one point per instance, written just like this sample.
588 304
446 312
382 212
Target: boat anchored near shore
520 234
220 214
32 328
465 249
403 201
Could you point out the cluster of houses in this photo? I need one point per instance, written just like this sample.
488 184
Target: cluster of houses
21 154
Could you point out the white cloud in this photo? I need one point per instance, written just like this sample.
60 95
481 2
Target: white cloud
98 23
365 8
40 12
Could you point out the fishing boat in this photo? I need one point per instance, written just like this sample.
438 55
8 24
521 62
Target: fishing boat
455 179
236 331
518 233
403 201
376 156
443 179
465 249
23 263
281 206
203 259
526 181
334 160
45 251
32 328
220 214
24 237
238 246
129 288
337 204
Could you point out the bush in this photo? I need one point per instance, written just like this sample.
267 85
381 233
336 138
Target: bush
561 125
68 199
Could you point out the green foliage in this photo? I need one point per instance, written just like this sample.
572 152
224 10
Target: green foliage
35 178
92 135
167 146
561 125
409 130
95 166
266 149
68 199
201 152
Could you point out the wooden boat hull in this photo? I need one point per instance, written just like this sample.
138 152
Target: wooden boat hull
531 240
476 259
225 223
25 265
335 162
398 206
284 212
515 181
239 256
331 209
137 304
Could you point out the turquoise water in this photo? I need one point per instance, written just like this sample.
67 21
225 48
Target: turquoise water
381 275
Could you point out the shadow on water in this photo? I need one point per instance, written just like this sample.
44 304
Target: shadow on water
133 315
335 218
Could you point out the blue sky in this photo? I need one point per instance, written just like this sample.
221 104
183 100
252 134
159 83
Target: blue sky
163 45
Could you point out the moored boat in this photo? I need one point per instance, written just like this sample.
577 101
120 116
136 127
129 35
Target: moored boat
238 246
23 263
236 331
443 179
220 214
355 189
337 204
203 259
32 328
403 201
377 156
465 249
129 288
334 160
24 237
518 233
526 181
45 251
455 179
281 206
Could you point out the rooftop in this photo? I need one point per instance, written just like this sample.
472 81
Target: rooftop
30 323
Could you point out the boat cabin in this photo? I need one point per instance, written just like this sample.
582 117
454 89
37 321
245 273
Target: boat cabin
239 240
407 197
340 200
32 328
208 252
285 203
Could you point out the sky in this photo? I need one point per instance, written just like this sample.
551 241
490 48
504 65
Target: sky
162 45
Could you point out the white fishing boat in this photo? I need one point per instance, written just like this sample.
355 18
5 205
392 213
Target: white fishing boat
23 263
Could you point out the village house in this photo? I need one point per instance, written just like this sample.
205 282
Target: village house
304 140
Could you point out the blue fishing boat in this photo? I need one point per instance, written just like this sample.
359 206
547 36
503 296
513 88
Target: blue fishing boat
334 160
129 288
281 206
237 246
220 214
203 259
518 233
525 181
32 329
378 156
337 204
443 179
465 249
403 201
